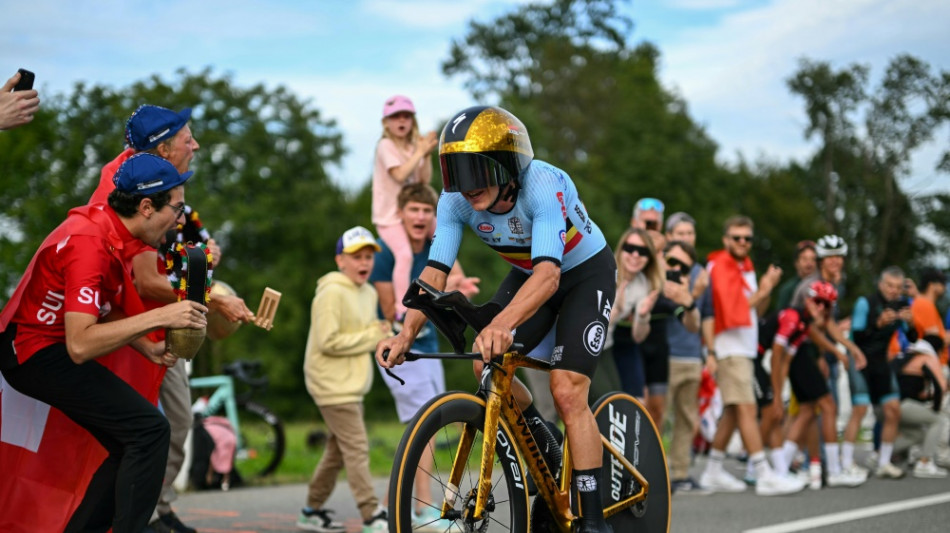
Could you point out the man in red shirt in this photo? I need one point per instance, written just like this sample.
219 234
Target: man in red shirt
75 303
165 133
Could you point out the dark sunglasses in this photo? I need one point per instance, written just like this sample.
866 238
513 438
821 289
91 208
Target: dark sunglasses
741 238
642 251
676 264
823 303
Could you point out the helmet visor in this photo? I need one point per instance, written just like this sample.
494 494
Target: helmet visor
463 172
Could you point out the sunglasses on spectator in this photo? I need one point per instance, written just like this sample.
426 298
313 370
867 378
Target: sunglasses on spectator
822 303
676 264
650 204
642 251
741 238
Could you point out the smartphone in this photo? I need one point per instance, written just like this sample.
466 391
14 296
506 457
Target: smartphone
26 80
652 224
674 275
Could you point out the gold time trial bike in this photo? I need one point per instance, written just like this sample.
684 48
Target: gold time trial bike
480 484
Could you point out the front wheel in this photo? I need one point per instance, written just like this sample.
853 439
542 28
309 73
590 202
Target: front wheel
262 439
626 424
436 431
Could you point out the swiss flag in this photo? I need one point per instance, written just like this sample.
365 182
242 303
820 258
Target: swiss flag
46 459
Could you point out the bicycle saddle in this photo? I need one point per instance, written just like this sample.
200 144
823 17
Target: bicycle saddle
449 312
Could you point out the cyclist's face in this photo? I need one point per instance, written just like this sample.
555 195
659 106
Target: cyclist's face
417 218
481 199
357 265
634 262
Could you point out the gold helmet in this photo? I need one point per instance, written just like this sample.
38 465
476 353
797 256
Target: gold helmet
483 146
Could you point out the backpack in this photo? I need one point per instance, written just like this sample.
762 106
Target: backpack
213 448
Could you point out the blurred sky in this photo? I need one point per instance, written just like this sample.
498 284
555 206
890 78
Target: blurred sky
727 58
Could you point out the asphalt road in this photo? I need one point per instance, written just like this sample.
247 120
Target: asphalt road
879 506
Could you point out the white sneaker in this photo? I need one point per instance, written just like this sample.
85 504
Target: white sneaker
814 476
889 471
319 520
929 470
847 478
721 481
773 484
943 457
378 523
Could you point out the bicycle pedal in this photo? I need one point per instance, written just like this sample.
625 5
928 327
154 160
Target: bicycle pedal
264 317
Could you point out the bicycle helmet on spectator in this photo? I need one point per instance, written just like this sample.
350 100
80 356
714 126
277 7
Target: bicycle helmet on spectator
823 291
831 245
481 147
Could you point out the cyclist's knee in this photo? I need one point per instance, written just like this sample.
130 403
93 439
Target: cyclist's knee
569 390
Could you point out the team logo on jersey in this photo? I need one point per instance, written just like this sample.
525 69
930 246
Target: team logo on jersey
486 227
514 224
595 335
560 199
557 354
563 235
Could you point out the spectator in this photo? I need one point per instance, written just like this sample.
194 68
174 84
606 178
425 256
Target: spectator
338 372
805 266
923 388
732 304
648 215
686 367
17 107
923 309
59 318
682 227
639 282
875 320
402 157
165 133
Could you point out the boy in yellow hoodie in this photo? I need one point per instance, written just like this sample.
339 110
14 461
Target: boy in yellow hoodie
338 370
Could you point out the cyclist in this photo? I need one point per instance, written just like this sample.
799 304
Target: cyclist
562 269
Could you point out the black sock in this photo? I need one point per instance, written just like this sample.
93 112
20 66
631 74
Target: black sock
587 483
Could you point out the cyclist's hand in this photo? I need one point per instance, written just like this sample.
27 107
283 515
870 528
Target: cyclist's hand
183 314
397 348
493 340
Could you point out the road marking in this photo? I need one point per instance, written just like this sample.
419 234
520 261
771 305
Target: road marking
852 515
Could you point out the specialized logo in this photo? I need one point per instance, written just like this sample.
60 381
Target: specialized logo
486 227
595 335
458 120
514 224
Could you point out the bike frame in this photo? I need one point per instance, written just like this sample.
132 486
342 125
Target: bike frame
223 395
501 405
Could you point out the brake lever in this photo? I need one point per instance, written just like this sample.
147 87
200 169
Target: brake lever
389 372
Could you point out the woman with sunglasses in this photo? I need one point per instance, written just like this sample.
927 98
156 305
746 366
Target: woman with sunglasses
639 282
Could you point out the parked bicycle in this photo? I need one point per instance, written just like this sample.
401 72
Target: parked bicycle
484 480
259 431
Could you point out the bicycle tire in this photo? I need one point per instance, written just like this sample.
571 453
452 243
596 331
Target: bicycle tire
627 425
443 418
262 435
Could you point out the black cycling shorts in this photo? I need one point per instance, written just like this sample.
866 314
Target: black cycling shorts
808 383
761 383
580 306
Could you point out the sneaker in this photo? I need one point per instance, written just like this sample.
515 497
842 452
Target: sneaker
889 471
590 525
847 478
378 523
814 476
430 520
688 485
169 523
319 520
773 484
927 469
721 481
871 461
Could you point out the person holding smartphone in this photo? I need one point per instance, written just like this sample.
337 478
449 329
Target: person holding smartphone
18 101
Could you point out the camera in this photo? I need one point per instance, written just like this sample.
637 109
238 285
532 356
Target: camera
674 275
896 305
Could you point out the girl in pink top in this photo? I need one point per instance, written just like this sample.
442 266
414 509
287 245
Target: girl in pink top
402 157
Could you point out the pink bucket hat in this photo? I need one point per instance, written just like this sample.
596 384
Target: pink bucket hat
396 104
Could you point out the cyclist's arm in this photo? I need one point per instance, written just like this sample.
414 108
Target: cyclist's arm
396 347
